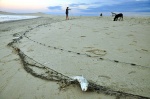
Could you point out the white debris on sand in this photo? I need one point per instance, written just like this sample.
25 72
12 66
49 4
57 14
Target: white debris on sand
83 82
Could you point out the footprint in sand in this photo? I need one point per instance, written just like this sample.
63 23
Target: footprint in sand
133 43
30 49
107 33
103 76
142 50
82 36
132 72
98 52
130 35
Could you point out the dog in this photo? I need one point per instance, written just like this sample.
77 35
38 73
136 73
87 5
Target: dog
118 16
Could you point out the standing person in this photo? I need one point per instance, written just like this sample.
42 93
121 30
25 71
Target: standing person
67 12
101 14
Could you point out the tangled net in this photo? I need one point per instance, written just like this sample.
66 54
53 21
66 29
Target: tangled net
40 71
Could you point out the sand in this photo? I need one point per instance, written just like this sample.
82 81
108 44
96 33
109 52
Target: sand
119 56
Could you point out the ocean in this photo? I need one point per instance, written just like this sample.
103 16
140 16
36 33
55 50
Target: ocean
4 18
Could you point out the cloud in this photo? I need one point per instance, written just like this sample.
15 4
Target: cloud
85 6
77 6
55 7
94 8
141 0
130 6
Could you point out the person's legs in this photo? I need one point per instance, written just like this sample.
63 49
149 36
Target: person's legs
67 17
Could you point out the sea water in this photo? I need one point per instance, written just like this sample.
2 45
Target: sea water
4 18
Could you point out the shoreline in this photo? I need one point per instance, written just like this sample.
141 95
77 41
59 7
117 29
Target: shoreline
83 35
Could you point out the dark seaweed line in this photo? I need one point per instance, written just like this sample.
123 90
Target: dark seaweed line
108 91
56 75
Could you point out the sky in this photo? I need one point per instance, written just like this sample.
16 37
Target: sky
78 7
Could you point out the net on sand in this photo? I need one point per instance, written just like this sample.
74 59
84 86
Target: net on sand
41 71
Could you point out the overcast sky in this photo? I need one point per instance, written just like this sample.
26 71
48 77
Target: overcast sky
78 6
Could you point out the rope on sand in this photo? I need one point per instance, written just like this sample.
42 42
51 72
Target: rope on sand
78 53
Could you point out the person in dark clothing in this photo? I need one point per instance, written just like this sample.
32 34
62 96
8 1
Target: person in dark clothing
101 14
67 12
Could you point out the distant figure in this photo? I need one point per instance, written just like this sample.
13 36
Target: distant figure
118 16
101 14
113 14
67 12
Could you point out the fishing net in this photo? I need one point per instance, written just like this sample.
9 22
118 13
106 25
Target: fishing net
41 71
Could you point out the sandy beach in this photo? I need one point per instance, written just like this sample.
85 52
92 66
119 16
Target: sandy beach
111 54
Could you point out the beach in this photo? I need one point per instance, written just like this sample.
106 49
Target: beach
114 54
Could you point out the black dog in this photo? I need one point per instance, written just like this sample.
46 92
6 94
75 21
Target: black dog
118 16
